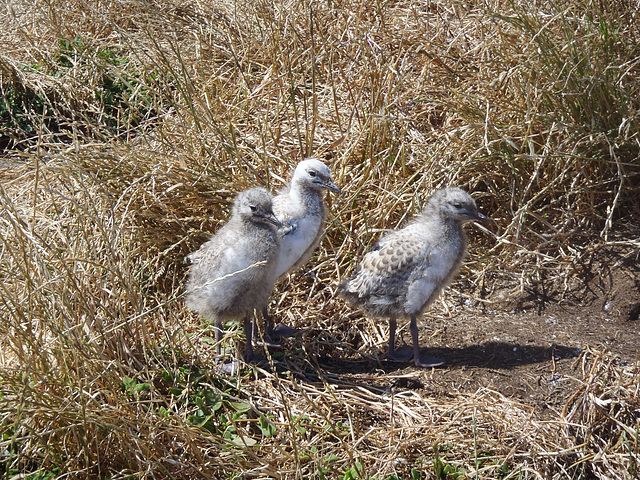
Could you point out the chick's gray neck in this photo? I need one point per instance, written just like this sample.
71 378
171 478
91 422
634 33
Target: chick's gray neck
310 197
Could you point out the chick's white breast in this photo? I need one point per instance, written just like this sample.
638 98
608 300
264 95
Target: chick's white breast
295 244
430 276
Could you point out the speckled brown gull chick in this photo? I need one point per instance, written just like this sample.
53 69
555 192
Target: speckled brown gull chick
235 271
300 207
408 268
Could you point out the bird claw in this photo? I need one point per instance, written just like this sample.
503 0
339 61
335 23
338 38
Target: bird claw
229 367
426 361
404 354
268 342
282 330
288 229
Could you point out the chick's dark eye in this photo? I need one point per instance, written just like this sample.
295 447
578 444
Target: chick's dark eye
312 173
253 208
457 205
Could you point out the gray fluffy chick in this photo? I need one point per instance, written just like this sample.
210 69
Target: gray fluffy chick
408 268
300 207
235 271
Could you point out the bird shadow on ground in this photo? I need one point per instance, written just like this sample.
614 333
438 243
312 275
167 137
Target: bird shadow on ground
380 376
491 355
503 355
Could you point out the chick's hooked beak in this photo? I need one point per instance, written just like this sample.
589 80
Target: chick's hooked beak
329 185
480 217
271 218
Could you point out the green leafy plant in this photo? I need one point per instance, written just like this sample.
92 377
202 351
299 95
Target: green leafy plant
133 387
18 108
214 408
351 473
445 471
121 98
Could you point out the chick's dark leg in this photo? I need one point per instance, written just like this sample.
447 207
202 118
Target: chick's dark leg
229 368
249 357
424 361
402 355
218 331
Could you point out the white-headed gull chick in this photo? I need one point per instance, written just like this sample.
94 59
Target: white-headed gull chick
301 208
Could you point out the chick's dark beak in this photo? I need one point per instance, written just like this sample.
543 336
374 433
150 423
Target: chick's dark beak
480 217
271 218
329 185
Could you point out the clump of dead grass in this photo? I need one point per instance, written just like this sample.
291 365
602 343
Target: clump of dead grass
336 420
126 131
604 415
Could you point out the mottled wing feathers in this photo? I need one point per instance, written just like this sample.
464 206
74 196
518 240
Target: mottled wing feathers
386 269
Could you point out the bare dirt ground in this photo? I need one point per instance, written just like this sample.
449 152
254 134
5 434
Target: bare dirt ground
524 343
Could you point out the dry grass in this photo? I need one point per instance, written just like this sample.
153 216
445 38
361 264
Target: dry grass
128 126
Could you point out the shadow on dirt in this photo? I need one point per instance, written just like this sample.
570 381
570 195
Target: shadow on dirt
502 355
493 355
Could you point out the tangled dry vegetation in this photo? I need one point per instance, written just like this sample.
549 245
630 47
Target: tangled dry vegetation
126 128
